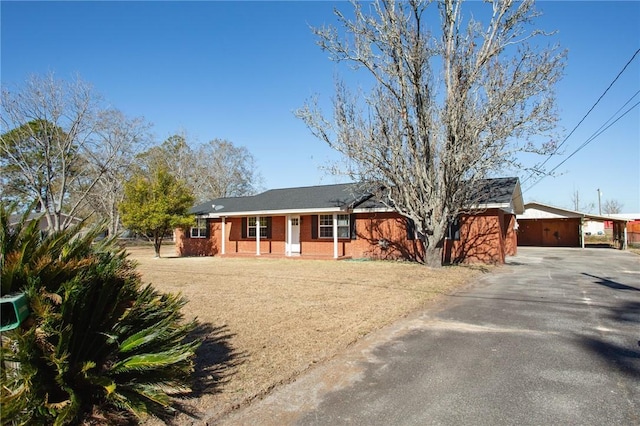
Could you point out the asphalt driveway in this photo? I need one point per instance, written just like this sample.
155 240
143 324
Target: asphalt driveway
552 338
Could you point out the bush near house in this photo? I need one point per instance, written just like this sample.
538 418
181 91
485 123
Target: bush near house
99 346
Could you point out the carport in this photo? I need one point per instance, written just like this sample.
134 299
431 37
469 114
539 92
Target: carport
543 225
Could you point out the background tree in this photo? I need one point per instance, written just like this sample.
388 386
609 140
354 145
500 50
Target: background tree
121 139
174 155
48 147
214 169
224 170
155 204
612 207
448 106
16 185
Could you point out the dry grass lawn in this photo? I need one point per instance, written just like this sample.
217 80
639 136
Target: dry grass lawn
267 320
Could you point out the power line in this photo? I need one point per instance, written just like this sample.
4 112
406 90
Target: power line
584 117
619 109
585 143
588 141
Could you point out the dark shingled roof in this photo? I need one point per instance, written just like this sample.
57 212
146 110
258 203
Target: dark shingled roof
496 191
343 196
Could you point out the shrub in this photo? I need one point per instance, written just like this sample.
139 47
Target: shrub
98 346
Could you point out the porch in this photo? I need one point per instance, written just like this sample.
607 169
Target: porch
296 256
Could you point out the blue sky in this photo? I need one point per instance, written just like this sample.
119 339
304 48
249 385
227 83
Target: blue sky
238 70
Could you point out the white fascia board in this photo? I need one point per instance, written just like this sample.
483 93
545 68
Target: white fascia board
506 207
374 210
502 206
275 212
207 216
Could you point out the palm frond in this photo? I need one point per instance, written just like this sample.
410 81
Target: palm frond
97 342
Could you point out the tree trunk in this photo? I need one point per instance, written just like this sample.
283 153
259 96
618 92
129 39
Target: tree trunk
157 243
433 256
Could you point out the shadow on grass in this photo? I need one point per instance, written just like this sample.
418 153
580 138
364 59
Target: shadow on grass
214 366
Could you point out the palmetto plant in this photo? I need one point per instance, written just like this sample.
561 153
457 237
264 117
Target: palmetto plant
98 346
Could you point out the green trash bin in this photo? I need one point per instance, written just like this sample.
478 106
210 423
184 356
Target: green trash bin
13 310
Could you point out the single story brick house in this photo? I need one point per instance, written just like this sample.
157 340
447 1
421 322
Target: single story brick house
341 221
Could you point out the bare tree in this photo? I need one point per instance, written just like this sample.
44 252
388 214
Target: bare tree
225 170
121 139
215 169
175 155
48 148
449 106
612 207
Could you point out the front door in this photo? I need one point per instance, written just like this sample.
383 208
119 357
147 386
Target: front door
294 235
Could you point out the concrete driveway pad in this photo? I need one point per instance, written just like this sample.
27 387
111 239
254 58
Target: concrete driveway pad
551 338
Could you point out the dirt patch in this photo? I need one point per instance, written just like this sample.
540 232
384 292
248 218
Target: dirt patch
265 321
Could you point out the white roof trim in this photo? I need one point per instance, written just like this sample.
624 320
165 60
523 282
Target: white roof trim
373 210
272 212
546 211
216 215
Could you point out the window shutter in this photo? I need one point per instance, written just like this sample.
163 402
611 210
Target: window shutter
244 227
352 226
411 229
207 231
268 227
314 227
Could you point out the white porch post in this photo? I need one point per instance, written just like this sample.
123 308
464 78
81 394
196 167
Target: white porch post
582 231
288 239
335 235
257 235
624 246
224 235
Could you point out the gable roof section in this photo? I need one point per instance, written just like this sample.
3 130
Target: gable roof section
504 193
493 193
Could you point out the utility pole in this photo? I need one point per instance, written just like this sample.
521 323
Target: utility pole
599 206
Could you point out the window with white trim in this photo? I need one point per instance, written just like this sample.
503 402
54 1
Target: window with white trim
200 230
325 226
251 227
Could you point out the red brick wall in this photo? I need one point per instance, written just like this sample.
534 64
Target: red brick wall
485 237
481 239
187 246
236 244
633 231
370 229
383 236
319 246
511 239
